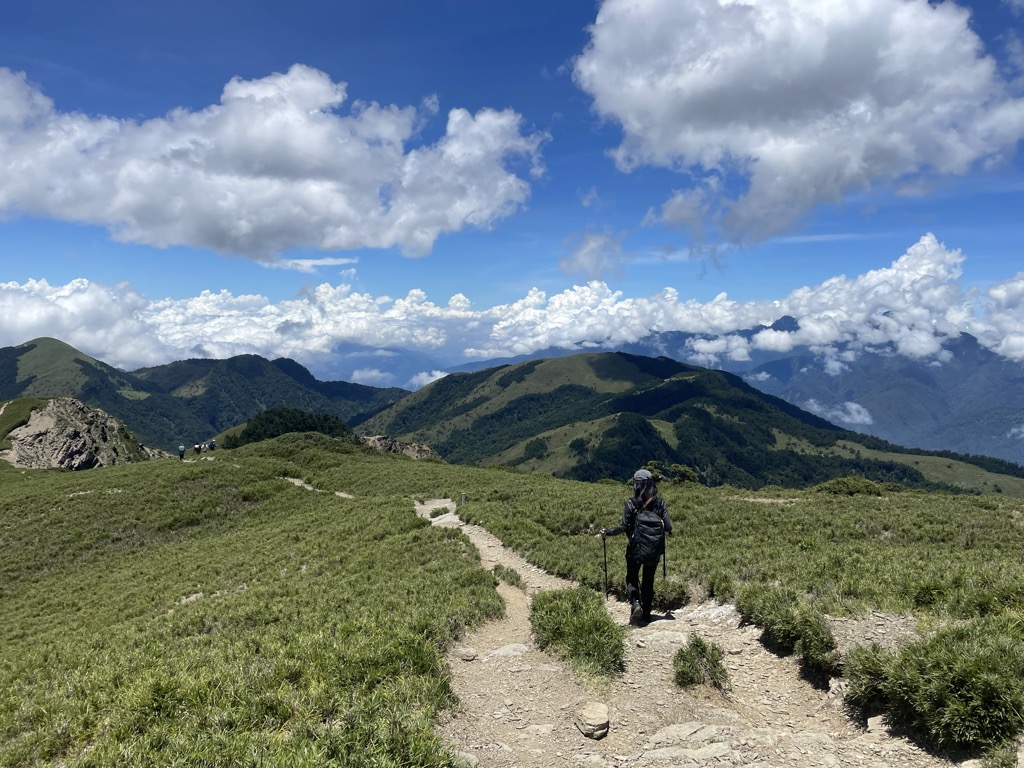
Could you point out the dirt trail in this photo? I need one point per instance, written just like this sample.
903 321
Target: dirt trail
518 704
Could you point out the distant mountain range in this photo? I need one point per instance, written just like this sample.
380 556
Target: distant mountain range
966 400
188 401
584 416
587 416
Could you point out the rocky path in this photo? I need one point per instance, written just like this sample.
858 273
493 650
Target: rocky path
520 707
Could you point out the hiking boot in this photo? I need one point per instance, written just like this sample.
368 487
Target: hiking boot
635 614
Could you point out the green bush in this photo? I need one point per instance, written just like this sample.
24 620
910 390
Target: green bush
773 609
962 688
721 586
788 626
699 662
575 624
669 595
866 670
815 643
852 485
509 575
275 422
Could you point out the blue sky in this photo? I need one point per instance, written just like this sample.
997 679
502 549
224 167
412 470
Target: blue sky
474 178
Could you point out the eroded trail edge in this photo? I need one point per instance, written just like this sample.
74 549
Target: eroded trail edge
518 704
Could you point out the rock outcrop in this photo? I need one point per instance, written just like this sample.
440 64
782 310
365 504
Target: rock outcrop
390 445
67 434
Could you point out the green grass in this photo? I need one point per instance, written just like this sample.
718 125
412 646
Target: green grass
55 363
699 662
575 624
180 612
959 688
509 575
212 613
939 469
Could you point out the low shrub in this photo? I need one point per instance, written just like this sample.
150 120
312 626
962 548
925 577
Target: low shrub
721 586
509 575
575 624
788 626
866 670
773 609
853 485
961 688
669 595
699 662
815 643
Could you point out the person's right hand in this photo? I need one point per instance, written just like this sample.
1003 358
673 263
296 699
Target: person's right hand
604 533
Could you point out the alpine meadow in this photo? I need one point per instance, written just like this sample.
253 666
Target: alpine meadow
282 604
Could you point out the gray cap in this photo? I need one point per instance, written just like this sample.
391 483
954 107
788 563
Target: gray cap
642 474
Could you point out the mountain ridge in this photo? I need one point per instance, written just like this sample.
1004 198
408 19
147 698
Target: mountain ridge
584 416
186 401
580 416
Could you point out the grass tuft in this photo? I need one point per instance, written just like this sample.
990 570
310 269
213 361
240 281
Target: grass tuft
699 662
509 575
575 624
962 688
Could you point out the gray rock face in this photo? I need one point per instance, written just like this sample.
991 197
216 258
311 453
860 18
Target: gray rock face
67 434
390 445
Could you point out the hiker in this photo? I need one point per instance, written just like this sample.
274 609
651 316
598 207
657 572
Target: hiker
196 449
181 451
645 521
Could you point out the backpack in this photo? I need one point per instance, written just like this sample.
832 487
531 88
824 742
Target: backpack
648 541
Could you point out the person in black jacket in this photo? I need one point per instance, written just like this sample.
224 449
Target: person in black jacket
645 521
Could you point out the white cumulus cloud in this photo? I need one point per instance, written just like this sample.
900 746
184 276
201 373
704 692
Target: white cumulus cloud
275 165
844 413
912 307
801 102
423 378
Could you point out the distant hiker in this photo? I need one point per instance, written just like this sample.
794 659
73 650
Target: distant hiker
205 447
181 451
645 521
213 445
196 448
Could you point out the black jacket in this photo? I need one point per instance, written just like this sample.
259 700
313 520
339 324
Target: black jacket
628 524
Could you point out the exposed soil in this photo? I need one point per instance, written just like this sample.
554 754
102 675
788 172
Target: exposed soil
519 705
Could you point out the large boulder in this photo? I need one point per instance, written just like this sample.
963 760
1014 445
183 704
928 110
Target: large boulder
67 434
387 444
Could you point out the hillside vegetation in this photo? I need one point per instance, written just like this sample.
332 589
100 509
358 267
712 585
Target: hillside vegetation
189 401
215 612
585 416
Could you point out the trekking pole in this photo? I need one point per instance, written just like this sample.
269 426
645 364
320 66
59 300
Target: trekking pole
664 563
604 542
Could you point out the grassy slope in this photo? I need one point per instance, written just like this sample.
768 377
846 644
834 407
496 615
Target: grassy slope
529 414
496 389
53 363
178 611
958 473
937 469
